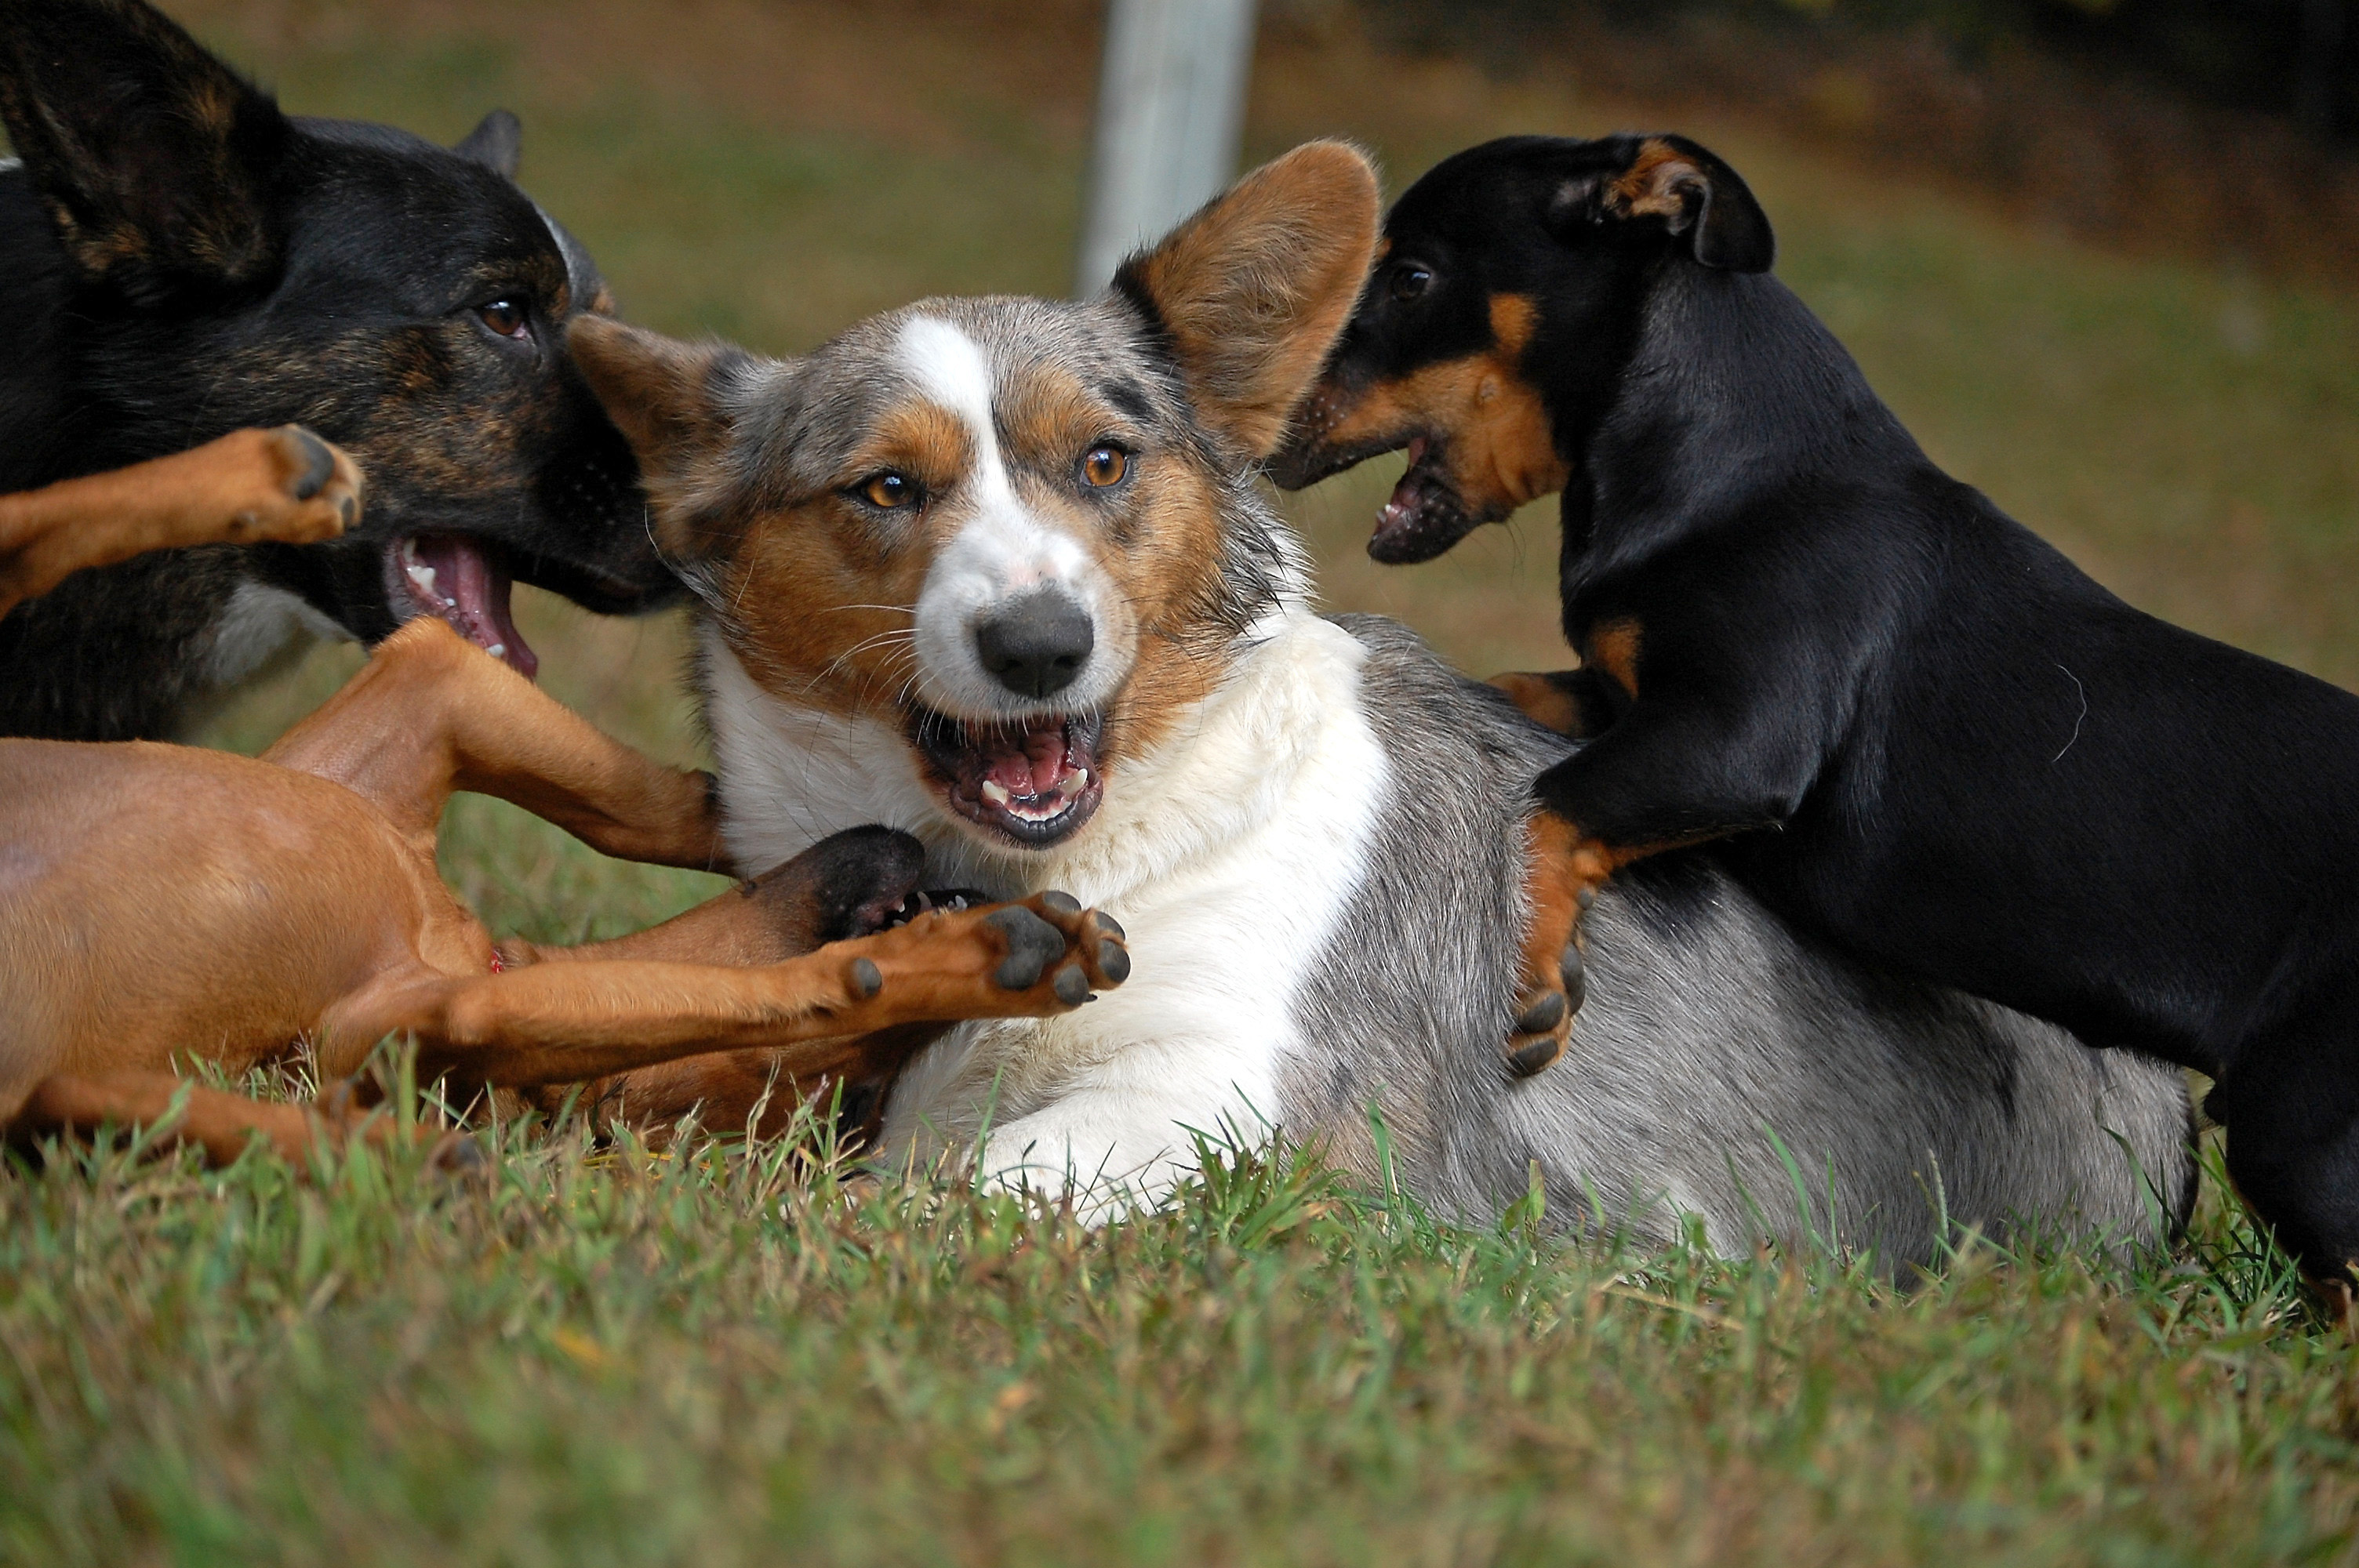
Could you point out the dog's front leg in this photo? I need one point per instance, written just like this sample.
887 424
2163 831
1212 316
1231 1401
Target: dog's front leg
285 485
1664 776
569 1023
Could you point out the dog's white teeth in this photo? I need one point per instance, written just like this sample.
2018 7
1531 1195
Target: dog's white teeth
409 552
994 795
421 577
498 650
1073 781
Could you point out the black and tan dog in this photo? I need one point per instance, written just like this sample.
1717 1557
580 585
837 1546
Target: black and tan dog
178 259
1921 730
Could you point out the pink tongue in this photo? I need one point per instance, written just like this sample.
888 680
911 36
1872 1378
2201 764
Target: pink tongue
1034 770
479 598
1406 492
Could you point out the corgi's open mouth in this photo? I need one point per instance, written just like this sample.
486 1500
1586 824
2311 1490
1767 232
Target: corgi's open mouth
456 578
1033 779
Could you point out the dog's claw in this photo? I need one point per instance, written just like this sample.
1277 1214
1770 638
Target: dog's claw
1032 943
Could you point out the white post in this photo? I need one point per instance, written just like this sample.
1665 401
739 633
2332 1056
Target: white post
1171 105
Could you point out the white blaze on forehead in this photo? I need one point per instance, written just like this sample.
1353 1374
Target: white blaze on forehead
949 367
1002 550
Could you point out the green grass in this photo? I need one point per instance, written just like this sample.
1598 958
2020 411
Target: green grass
719 1355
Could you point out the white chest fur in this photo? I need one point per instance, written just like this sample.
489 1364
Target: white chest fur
1226 854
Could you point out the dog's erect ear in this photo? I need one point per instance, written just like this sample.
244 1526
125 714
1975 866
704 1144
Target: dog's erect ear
154 158
665 397
1696 194
497 143
1251 292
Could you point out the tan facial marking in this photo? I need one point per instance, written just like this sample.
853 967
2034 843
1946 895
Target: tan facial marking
1498 450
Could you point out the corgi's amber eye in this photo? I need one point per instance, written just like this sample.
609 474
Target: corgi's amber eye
889 491
1104 465
505 317
1408 282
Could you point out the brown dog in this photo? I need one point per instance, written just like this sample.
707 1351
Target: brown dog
285 485
159 902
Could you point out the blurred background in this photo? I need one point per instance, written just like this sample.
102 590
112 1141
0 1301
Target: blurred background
2102 255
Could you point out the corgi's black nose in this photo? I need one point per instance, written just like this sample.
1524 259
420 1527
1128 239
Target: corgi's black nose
1036 645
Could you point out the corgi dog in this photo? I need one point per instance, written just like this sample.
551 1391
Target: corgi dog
1000 572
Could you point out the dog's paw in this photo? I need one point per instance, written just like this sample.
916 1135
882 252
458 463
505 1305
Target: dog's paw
1032 958
1562 875
302 490
1545 1009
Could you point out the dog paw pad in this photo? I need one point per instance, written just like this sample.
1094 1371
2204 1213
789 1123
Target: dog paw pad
1073 985
318 462
1113 961
1544 1015
867 980
1534 1057
1032 943
1062 902
1575 975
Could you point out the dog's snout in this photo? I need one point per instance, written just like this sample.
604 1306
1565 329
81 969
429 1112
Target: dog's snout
1037 645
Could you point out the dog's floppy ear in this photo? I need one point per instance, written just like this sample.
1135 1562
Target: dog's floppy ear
154 158
497 143
1250 293
1695 194
665 397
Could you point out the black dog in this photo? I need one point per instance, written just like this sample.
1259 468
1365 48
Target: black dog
178 259
1980 766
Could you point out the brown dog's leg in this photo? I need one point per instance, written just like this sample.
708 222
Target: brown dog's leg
431 713
284 484
222 1124
566 1023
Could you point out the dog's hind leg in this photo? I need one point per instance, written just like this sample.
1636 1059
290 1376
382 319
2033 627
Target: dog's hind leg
285 485
430 713
222 1124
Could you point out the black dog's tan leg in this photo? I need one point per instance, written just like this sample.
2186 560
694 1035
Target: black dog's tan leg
566 1023
1562 871
431 713
284 484
1574 703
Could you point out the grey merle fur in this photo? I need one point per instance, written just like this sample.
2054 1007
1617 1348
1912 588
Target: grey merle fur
1716 1042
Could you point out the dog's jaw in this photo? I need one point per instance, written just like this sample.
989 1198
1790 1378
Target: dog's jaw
458 580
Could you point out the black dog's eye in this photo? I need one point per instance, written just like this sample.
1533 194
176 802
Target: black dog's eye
889 491
505 317
1104 465
1408 282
